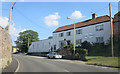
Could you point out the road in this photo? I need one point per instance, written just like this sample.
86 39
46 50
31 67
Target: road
42 64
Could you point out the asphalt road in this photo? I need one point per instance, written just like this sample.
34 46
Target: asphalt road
41 64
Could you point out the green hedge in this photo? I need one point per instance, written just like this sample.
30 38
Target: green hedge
101 49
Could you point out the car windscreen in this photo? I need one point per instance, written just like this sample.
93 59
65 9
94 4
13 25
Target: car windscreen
55 53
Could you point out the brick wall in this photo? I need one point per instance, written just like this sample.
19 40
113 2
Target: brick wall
116 25
5 48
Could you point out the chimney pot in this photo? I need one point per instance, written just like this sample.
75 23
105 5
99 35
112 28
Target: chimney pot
94 16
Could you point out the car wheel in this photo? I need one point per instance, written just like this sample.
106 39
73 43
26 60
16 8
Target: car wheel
48 57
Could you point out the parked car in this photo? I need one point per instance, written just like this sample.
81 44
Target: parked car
54 55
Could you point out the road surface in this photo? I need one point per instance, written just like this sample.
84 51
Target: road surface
42 64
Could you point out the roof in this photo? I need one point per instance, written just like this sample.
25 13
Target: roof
84 23
117 14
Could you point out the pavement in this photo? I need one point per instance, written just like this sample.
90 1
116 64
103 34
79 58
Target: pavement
12 67
27 64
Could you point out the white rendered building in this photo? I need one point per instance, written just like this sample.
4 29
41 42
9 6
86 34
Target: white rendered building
96 30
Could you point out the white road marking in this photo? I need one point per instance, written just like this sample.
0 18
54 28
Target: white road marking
35 57
18 64
66 71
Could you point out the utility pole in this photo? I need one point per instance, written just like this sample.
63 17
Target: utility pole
111 26
74 38
10 16
74 33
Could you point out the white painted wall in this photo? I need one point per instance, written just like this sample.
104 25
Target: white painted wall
86 31
43 45
40 46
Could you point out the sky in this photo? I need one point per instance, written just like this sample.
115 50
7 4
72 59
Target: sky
45 17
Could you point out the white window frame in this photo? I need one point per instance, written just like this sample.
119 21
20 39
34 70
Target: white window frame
99 27
78 41
61 34
68 33
79 31
99 39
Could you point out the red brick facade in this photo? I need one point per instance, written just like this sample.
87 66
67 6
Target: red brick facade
116 26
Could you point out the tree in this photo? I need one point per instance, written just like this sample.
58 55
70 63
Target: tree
25 39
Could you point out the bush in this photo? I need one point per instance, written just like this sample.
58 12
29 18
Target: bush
87 45
101 49
81 53
65 51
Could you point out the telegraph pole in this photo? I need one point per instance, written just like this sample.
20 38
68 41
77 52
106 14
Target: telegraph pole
10 16
111 26
74 34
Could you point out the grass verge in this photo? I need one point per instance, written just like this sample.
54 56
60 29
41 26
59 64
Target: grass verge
103 61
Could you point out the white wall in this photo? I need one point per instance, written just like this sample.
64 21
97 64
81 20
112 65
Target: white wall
43 45
85 31
40 46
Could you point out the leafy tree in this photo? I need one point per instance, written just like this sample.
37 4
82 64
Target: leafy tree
25 39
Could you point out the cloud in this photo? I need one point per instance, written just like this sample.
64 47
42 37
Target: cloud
76 15
13 31
3 21
23 30
51 20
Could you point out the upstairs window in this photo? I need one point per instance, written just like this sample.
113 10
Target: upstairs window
68 33
99 28
79 31
61 35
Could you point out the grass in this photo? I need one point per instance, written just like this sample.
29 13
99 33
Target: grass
19 53
103 61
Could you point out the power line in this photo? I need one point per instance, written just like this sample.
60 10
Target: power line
29 19
31 22
99 10
13 5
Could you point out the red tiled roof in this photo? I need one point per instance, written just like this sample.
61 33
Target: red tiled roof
84 23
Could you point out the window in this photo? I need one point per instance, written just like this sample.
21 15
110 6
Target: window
79 31
54 47
99 39
99 28
33 46
61 35
79 41
68 33
61 43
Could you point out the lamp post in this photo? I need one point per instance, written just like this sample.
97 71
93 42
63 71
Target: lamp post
74 33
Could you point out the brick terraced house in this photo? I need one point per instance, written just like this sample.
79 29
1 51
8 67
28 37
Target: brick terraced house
116 25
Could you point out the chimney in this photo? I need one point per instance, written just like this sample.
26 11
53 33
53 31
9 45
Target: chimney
94 16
